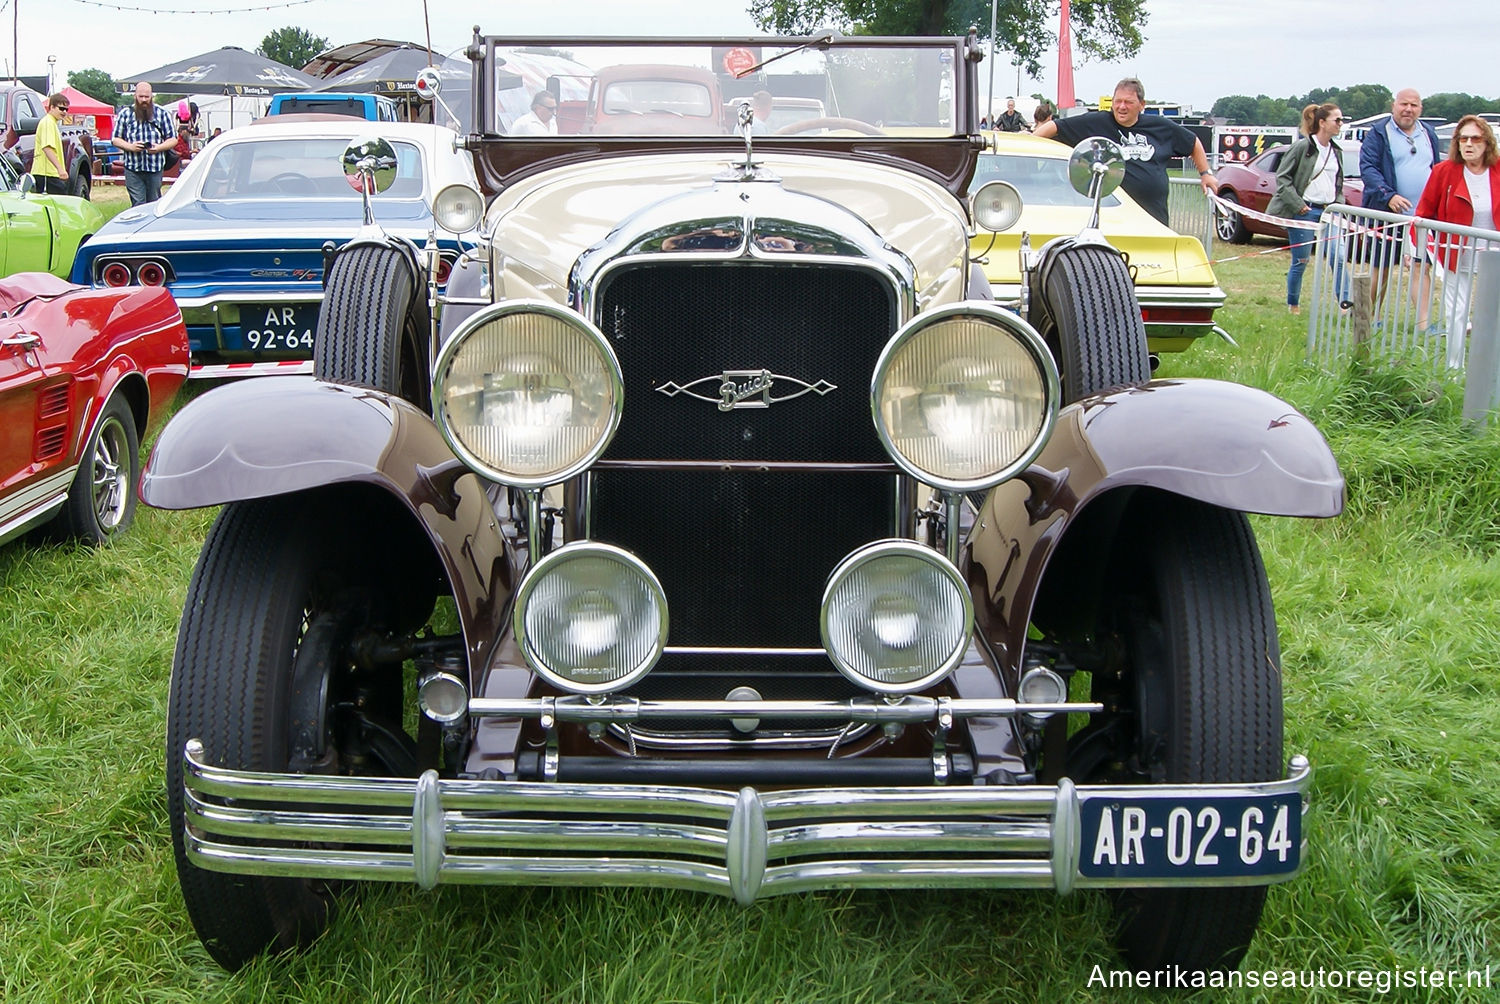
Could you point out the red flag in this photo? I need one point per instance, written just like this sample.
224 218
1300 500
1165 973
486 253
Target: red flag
1064 61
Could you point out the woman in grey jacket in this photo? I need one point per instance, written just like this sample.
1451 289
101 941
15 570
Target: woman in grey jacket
1310 178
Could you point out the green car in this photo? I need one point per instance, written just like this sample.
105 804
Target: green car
41 232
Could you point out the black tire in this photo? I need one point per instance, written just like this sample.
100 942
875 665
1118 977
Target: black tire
1100 337
372 328
1202 676
101 501
276 577
82 184
1230 227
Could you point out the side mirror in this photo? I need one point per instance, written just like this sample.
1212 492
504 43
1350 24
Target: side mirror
370 164
429 83
1096 158
28 184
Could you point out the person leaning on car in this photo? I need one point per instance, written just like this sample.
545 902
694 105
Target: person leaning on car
47 165
144 134
1149 141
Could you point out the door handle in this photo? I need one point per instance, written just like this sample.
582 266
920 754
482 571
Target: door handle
25 340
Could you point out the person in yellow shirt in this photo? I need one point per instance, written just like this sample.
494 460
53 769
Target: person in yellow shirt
47 165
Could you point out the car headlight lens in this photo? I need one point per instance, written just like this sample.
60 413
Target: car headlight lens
458 208
997 206
591 618
896 616
527 392
965 397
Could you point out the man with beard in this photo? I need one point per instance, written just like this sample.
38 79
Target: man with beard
144 135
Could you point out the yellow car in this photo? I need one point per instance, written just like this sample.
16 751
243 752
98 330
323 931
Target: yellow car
1174 282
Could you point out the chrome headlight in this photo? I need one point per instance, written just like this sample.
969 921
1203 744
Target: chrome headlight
591 618
965 396
458 208
996 206
896 616
528 393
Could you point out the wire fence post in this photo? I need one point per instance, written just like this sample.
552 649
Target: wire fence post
1482 372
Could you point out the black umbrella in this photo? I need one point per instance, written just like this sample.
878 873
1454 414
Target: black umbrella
394 72
230 70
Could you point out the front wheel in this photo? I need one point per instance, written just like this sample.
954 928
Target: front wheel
264 676
1198 692
1100 336
1230 226
372 329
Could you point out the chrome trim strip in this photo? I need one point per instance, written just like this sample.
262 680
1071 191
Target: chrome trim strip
910 710
747 844
248 295
716 650
48 493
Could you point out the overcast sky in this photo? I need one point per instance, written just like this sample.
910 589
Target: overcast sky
1196 50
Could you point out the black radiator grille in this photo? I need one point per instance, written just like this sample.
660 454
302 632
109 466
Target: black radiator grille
744 556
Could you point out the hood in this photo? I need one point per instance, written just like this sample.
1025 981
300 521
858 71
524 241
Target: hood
550 219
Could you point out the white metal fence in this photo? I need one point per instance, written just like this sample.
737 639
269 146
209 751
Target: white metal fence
1189 212
1403 300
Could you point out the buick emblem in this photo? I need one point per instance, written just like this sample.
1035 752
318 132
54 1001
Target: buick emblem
735 389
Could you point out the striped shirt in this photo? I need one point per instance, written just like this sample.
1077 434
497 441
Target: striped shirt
158 129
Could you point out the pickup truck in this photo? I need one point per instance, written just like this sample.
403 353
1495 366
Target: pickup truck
20 110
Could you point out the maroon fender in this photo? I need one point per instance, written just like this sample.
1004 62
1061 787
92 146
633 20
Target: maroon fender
261 438
1220 443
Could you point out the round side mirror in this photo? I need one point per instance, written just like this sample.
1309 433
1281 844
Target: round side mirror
28 184
1096 157
429 83
372 158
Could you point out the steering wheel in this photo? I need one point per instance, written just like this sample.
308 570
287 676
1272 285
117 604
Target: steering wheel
292 183
830 122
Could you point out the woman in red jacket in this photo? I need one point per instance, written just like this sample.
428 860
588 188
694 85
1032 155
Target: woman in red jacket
1464 189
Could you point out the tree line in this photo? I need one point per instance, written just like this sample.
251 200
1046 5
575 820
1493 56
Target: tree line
1357 102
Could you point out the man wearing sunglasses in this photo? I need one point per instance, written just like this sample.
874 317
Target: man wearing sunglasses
1395 159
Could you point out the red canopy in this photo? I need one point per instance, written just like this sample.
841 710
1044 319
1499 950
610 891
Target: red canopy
80 106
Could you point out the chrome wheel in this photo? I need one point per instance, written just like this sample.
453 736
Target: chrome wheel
110 478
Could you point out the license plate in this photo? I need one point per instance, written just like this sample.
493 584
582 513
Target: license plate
278 327
1190 836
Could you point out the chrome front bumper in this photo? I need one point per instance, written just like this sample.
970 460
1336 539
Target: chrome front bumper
747 845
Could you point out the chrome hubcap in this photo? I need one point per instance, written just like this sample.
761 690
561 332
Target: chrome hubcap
111 474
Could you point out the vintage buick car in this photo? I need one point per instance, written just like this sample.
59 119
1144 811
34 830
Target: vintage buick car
239 239
726 536
41 233
83 374
1174 281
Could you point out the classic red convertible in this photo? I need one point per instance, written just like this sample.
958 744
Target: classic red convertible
83 374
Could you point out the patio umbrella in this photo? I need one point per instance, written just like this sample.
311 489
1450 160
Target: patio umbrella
394 72
230 70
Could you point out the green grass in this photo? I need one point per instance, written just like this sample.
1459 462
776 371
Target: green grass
1390 626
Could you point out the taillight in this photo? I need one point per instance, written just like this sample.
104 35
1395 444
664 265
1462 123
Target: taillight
444 270
151 274
116 274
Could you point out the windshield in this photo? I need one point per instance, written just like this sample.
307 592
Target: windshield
897 87
1042 181
298 168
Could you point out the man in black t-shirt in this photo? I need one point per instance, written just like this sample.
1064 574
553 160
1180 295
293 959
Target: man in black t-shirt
1149 142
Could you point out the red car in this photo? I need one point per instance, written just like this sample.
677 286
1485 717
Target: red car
83 374
1253 183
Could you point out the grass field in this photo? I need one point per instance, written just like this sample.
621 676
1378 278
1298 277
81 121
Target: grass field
1390 627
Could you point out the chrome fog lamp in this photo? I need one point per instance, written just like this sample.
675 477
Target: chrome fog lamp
458 208
965 396
591 618
527 392
896 617
996 206
443 697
